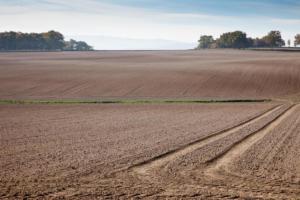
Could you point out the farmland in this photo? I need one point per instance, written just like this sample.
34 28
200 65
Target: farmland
135 124
212 74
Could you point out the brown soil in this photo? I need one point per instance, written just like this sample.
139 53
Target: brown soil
150 74
262 164
154 151
56 150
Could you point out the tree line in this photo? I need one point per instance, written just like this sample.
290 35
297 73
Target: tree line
239 39
48 41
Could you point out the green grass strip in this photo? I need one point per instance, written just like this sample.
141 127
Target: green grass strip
154 101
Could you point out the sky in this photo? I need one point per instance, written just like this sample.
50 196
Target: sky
150 24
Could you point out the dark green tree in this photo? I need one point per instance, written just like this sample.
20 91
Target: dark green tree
8 40
52 40
74 45
237 39
205 41
83 46
274 39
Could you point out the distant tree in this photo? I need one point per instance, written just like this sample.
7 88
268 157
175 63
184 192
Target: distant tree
297 40
274 39
237 39
83 46
70 45
205 42
250 42
74 45
51 40
54 40
8 40
259 43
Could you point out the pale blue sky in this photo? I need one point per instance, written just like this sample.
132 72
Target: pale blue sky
154 20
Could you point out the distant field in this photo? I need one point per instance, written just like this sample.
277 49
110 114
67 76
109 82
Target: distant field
213 74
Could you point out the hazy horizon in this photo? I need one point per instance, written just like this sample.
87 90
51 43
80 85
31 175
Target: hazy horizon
145 24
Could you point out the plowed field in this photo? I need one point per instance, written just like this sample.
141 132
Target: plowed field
212 74
120 125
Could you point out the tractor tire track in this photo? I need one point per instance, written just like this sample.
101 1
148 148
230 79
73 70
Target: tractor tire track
223 162
144 169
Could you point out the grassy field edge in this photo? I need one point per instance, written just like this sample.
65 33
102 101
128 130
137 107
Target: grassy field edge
8 101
